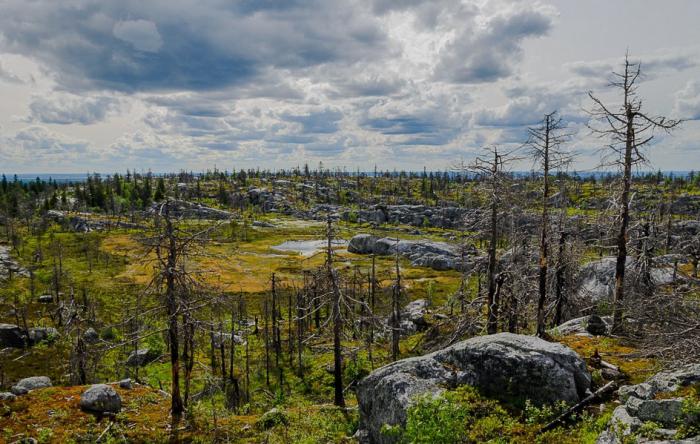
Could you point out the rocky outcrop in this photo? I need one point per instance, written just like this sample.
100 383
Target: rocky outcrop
597 278
503 366
642 403
8 266
191 210
421 253
100 399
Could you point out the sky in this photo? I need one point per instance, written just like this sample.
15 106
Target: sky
165 85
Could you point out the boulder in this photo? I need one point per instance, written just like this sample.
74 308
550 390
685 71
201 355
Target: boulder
141 357
91 336
46 299
7 396
596 325
503 366
100 399
362 244
641 405
126 384
12 336
26 385
579 326
414 314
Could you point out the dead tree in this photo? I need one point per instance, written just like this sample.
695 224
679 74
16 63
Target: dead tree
545 144
396 309
626 130
491 168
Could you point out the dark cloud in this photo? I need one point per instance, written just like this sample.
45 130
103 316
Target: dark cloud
66 109
488 52
184 44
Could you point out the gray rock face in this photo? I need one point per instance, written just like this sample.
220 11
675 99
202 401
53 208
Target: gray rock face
100 399
12 336
141 357
640 406
421 253
502 366
597 278
32 383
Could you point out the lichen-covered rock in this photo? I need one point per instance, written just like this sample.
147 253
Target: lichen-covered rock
32 383
503 366
101 399
642 406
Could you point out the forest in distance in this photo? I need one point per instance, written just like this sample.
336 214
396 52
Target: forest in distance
321 305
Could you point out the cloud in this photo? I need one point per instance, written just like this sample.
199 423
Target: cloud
7 76
65 109
185 44
687 104
652 65
489 51
320 122
141 34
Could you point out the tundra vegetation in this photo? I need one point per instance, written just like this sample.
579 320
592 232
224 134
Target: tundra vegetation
258 305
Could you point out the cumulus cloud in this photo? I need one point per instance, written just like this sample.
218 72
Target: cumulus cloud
66 109
9 77
489 51
687 104
188 44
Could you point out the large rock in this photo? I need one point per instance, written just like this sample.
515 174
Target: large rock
101 399
421 253
12 336
597 278
362 244
580 326
141 357
503 366
642 405
32 383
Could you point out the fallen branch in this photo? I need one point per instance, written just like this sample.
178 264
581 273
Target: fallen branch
610 386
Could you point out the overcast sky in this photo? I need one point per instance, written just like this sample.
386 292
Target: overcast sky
192 84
